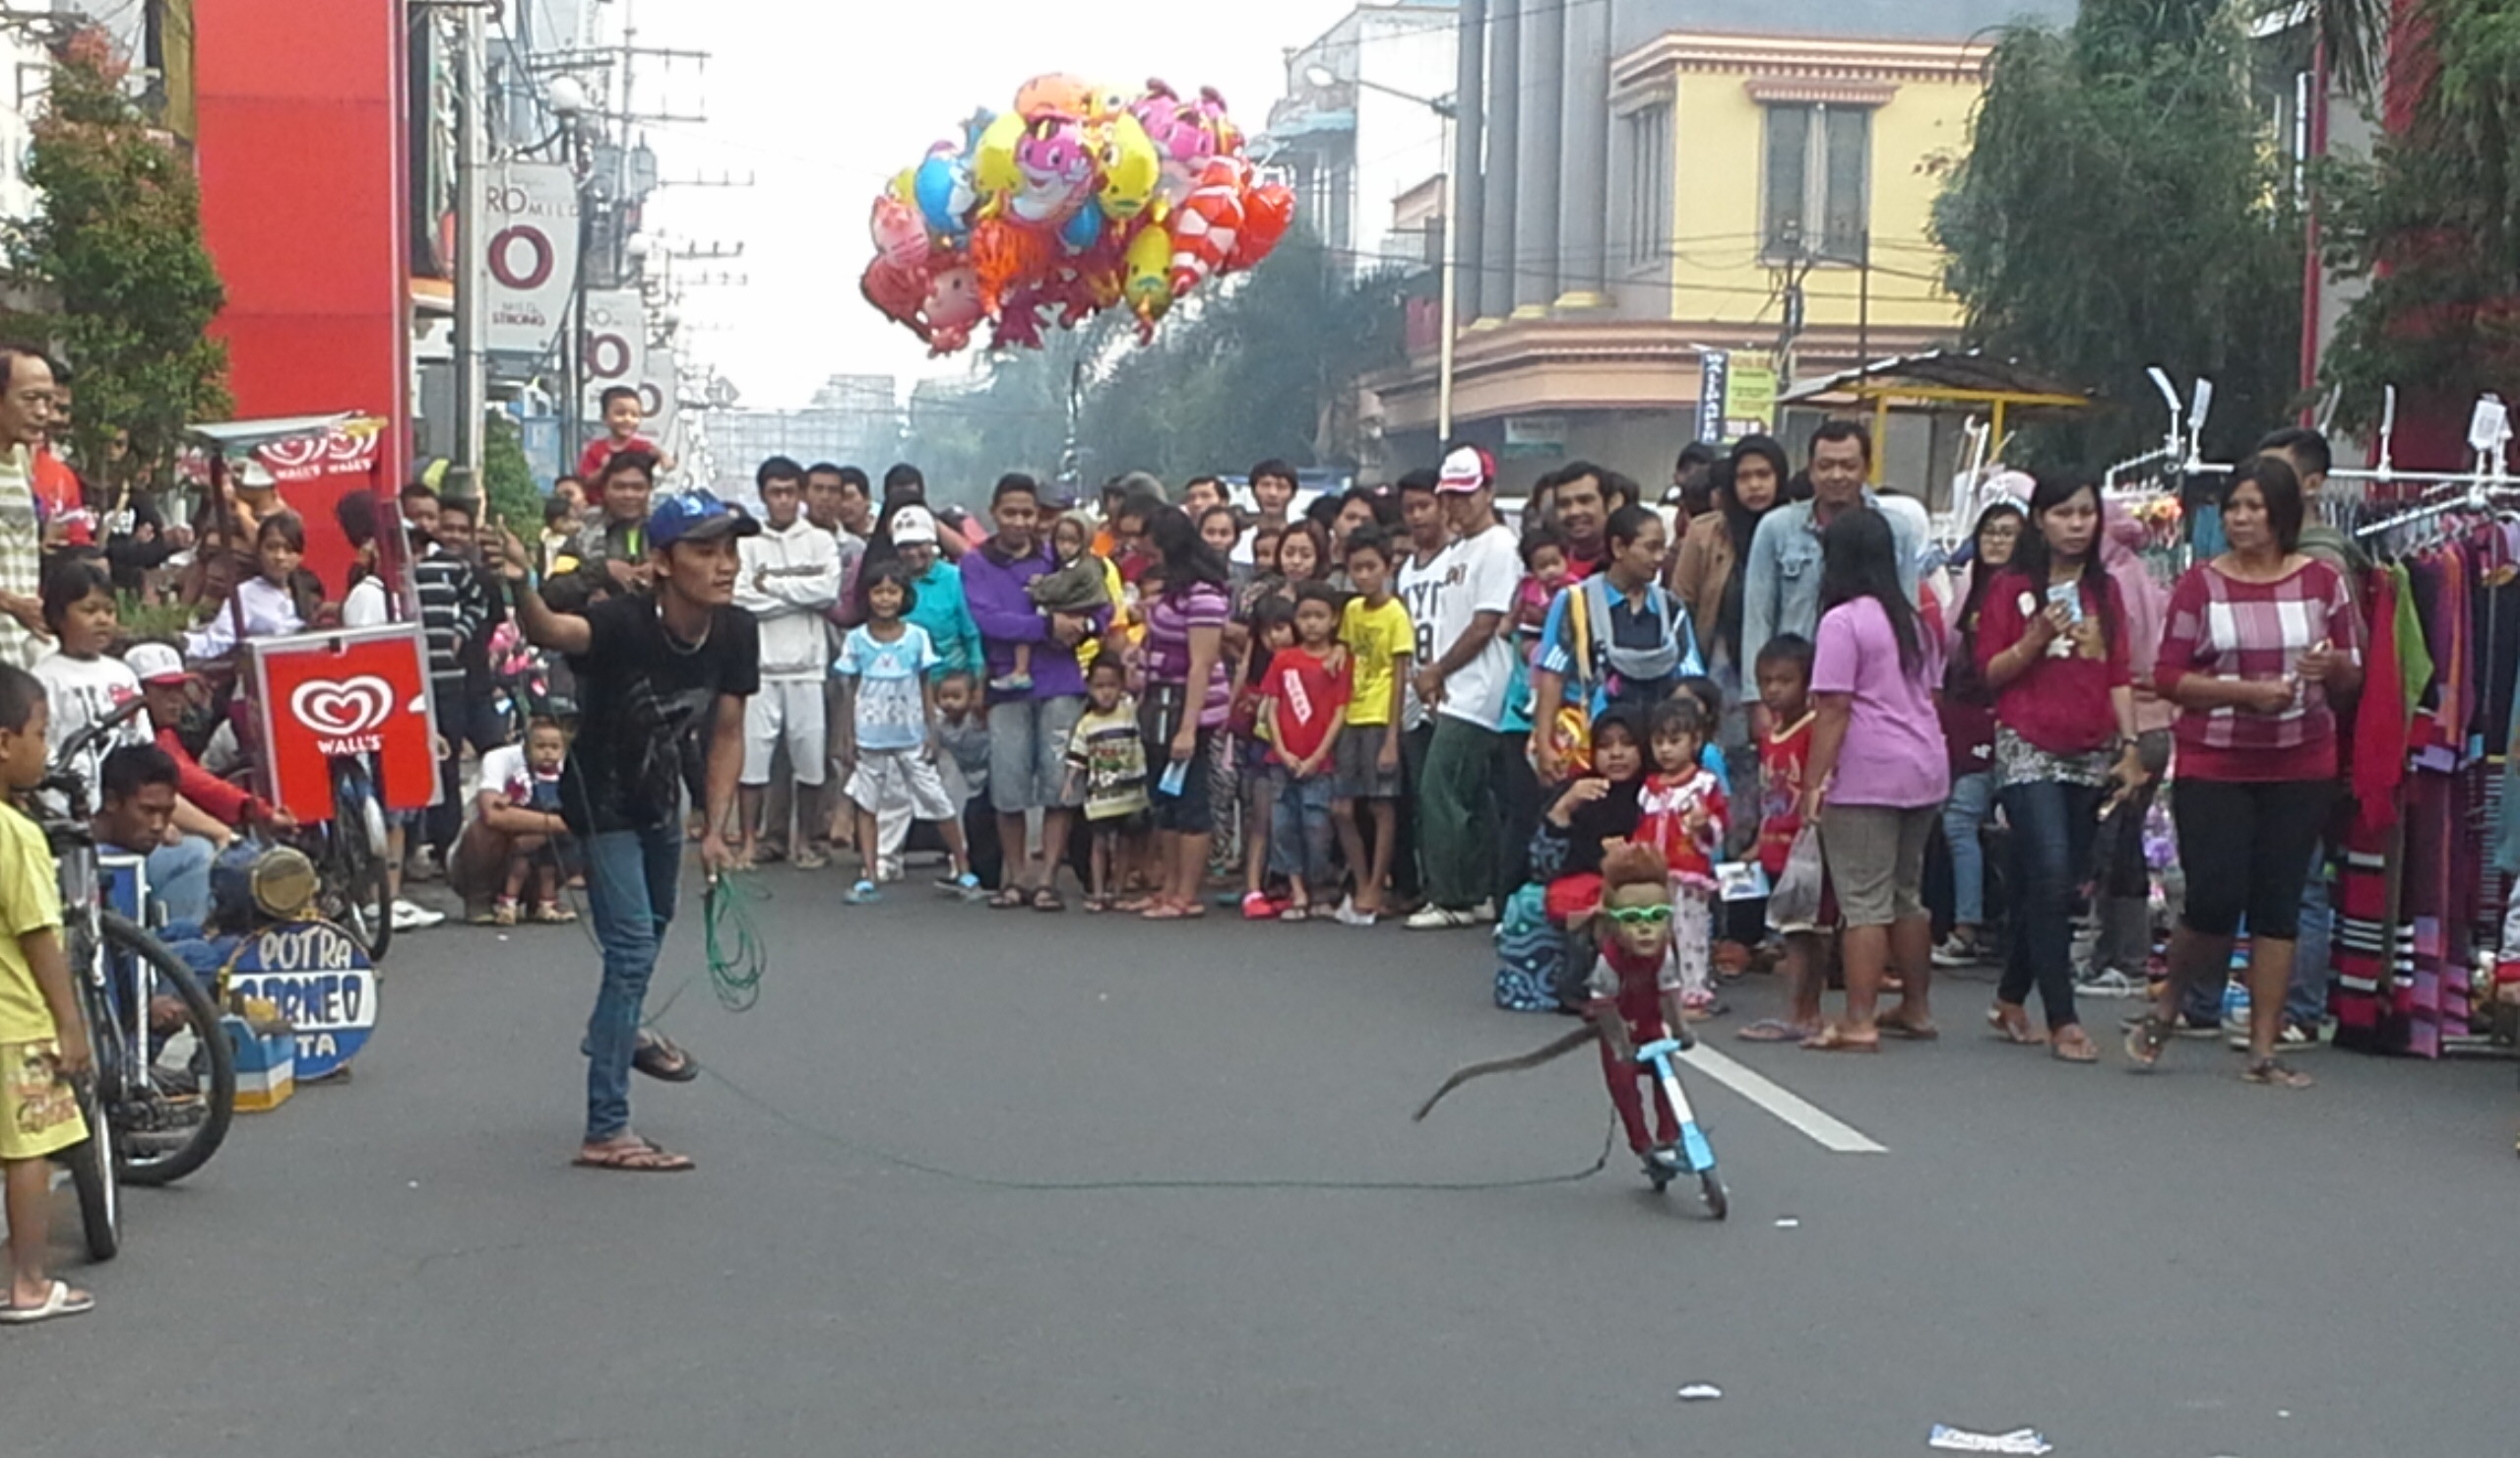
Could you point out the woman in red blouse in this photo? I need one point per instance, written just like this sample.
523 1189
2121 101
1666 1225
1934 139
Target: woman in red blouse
2051 643
2261 643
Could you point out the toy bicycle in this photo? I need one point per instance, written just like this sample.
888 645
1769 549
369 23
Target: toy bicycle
1694 1155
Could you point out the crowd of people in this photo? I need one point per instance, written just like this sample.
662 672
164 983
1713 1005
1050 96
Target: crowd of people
1392 705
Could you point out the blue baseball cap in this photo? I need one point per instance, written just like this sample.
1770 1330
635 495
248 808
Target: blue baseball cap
696 515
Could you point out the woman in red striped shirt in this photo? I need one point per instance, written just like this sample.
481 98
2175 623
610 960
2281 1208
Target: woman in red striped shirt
2261 643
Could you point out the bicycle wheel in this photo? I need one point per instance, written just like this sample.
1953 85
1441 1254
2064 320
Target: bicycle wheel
183 1101
353 870
93 1175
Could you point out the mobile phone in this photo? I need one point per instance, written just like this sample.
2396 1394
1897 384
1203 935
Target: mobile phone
2069 596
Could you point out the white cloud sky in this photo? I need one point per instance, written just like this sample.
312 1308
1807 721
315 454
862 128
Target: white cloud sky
823 100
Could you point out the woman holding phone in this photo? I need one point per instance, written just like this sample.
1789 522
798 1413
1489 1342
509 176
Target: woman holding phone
2051 645
2262 643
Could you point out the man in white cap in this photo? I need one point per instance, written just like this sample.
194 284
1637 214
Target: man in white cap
1465 683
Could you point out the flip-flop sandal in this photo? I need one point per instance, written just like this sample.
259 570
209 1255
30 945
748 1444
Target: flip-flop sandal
2008 1030
2275 1073
1048 900
638 1157
1007 899
660 1058
1833 1039
2080 1049
2145 1042
1164 911
59 1301
1773 1030
1908 1032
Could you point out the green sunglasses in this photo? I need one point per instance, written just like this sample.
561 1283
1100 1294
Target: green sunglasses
1639 915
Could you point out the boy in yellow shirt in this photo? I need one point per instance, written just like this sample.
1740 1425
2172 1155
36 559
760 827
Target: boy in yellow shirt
44 1037
1382 643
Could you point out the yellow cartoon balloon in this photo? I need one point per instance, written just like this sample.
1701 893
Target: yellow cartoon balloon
1130 169
993 167
1149 289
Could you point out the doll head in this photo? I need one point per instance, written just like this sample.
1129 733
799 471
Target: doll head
1636 902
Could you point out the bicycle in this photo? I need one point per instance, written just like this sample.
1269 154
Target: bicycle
349 853
163 1088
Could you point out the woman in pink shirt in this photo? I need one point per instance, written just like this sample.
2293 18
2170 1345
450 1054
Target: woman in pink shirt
1879 772
2262 641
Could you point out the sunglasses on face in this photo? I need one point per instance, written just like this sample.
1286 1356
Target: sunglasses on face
1640 916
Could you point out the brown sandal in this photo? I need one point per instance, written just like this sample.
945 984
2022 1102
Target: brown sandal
2073 1047
1832 1039
2275 1073
637 1157
2011 1028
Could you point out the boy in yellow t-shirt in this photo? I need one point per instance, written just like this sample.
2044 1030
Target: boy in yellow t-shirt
1381 640
43 1037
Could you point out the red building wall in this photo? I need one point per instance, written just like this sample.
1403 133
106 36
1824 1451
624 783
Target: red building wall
299 120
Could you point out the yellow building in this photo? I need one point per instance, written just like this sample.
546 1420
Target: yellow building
1768 196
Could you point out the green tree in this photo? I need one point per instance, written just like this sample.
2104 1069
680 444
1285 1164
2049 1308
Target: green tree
2121 206
507 478
115 253
2432 221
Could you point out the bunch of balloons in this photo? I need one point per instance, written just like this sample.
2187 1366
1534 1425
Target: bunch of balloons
1079 200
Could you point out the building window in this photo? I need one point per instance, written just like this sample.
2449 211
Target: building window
1819 165
1649 186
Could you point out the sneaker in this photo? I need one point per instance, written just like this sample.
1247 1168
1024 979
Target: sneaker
2109 984
1956 951
1349 915
408 916
2293 1039
863 893
1011 684
1485 913
811 859
1431 917
1257 907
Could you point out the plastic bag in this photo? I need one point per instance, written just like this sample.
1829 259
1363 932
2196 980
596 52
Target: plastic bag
1793 903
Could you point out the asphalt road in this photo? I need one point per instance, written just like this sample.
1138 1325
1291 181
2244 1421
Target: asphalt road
407 1267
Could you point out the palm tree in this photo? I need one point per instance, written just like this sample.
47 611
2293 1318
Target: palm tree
2354 32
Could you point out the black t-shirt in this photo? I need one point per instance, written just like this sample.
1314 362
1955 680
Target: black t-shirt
640 696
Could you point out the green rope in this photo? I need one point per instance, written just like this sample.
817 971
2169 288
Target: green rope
736 954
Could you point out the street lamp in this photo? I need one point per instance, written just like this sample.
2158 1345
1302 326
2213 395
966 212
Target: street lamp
1322 77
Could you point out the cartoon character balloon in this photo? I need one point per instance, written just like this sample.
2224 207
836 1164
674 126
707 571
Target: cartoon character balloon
1077 200
1055 169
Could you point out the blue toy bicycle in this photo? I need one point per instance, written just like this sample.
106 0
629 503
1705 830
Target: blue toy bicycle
1692 1155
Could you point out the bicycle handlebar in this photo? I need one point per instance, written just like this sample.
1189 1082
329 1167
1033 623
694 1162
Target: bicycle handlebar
66 762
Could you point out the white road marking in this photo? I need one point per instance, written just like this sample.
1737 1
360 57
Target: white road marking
1822 1127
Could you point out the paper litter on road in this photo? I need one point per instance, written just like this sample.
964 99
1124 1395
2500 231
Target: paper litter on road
1788 1223
1700 1392
2023 1440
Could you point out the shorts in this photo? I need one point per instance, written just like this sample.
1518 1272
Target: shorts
1357 769
1193 810
1876 858
38 1108
790 709
1027 754
887 779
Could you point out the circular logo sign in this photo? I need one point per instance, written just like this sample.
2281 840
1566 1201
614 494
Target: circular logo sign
321 981
525 241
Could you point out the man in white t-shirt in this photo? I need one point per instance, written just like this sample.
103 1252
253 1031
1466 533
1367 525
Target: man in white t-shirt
1465 683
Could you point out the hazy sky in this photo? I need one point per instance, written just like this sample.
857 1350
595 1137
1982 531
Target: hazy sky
821 102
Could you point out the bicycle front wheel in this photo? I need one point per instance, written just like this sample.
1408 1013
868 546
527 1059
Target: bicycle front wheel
93 1176
352 877
178 1103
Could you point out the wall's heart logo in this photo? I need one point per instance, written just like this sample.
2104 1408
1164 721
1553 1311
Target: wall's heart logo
353 707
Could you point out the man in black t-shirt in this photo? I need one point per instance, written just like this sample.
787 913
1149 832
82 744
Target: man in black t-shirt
653 671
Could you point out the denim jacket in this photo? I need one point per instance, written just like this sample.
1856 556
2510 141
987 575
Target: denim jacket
1783 593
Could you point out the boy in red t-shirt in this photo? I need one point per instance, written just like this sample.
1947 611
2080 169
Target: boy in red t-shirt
1784 752
622 414
1305 709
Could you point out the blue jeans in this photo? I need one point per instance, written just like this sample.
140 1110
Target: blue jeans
180 878
1299 832
2052 825
1973 796
630 890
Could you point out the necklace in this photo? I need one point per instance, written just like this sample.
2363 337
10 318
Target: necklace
676 645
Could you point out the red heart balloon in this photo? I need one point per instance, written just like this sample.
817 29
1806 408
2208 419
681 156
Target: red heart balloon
1268 211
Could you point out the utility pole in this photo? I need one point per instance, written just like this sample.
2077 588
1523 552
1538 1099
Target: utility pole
472 317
